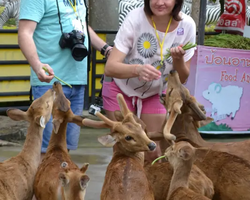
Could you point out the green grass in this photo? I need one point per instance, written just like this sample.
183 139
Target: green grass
228 41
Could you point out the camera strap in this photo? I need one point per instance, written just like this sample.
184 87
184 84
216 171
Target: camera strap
59 16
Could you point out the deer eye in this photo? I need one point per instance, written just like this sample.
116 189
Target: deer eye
128 138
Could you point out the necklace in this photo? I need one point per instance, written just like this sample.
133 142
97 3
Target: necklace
161 44
73 6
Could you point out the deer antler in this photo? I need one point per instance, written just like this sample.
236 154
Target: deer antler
174 112
106 120
122 104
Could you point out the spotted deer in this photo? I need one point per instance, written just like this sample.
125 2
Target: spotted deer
125 178
17 174
58 177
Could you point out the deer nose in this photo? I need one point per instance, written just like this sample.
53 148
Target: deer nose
172 71
152 146
56 83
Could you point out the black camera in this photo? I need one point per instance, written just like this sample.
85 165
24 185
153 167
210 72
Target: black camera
75 41
96 107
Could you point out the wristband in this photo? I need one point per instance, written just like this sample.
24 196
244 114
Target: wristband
104 49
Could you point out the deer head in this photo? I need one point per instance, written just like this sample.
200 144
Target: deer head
176 96
39 111
61 109
179 152
74 182
127 132
183 152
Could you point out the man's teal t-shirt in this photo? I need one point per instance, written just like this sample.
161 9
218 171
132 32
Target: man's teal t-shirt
48 33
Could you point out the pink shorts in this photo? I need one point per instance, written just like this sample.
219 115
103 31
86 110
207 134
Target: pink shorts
150 105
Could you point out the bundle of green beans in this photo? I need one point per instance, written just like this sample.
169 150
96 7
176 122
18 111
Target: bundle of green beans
187 46
46 70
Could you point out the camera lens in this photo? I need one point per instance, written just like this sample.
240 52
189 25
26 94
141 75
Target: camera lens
79 52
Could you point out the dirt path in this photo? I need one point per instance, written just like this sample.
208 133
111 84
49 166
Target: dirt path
11 131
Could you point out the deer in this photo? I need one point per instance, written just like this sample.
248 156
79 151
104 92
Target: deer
125 178
226 169
17 174
159 174
181 157
58 177
194 117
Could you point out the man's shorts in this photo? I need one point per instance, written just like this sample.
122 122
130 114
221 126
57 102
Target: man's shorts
76 97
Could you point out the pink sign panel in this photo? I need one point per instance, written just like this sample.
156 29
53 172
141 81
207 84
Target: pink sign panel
220 80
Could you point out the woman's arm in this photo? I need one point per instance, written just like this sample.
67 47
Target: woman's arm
117 69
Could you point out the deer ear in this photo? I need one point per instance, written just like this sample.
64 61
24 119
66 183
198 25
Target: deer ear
200 153
84 182
40 121
206 121
17 115
185 153
64 179
107 140
56 124
84 167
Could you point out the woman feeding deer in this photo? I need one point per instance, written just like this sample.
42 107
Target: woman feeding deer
150 42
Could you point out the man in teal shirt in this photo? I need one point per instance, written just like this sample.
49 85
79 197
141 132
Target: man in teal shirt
41 26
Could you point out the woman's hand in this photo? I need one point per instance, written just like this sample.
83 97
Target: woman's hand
177 52
147 72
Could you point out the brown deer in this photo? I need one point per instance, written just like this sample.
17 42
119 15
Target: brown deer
228 172
181 157
159 174
18 173
184 127
125 177
58 177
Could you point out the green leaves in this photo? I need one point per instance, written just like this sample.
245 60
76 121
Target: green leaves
187 46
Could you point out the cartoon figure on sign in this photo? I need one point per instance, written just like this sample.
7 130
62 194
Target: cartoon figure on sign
225 100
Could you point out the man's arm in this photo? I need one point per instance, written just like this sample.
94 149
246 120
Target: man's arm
98 43
25 40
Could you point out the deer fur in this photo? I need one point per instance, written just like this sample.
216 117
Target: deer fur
58 177
125 177
181 157
230 174
17 174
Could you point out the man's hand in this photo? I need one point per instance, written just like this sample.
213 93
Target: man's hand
41 74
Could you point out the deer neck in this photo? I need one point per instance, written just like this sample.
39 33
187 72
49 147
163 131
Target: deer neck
185 129
180 177
120 151
58 140
32 146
